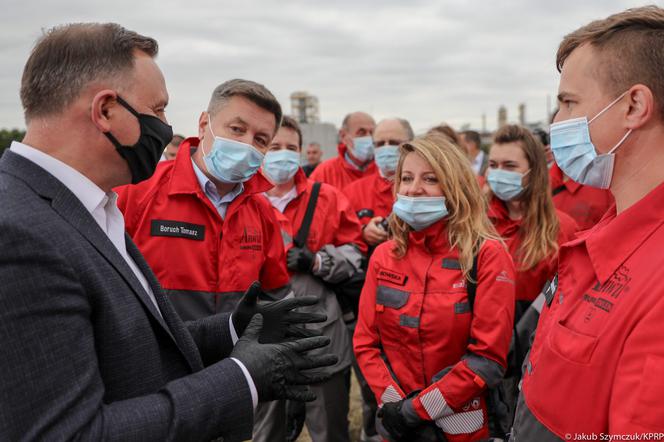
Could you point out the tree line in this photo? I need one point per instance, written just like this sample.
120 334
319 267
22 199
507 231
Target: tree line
9 135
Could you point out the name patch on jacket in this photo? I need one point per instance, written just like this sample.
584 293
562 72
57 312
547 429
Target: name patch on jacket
178 229
392 276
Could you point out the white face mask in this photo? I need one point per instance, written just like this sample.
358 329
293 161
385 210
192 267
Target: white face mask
231 161
363 148
576 155
281 165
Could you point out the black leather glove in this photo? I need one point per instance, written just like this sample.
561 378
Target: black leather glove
276 369
399 419
278 317
300 260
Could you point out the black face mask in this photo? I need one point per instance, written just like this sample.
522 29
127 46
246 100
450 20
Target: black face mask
143 156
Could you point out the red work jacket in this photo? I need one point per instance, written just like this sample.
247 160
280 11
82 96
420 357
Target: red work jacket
338 173
529 283
371 196
203 262
585 204
334 220
597 363
415 321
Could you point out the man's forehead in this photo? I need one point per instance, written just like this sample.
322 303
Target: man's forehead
149 83
580 71
359 120
390 128
242 110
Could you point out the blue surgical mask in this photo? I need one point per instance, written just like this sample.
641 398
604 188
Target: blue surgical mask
363 148
281 165
505 184
576 155
387 158
231 161
420 212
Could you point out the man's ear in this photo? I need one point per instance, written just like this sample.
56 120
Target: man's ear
103 109
641 106
343 136
203 122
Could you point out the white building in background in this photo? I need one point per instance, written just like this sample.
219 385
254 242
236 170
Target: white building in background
305 109
325 134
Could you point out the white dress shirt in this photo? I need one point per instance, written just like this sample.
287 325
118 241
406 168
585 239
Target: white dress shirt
280 202
220 203
101 205
103 208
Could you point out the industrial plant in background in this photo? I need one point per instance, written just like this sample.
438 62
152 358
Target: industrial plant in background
305 109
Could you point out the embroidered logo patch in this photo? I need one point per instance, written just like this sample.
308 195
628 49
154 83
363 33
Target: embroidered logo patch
504 277
251 239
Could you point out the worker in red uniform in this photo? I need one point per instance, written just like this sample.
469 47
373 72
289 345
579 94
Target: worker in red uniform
356 153
522 212
521 209
585 204
333 252
597 360
427 353
202 221
372 196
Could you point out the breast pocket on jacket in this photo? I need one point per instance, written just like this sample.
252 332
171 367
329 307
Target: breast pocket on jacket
397 315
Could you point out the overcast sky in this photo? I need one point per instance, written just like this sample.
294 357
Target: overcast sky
425 60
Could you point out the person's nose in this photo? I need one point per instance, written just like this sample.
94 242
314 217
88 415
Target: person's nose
416 188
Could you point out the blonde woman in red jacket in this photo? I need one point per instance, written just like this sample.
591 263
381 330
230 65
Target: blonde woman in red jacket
427 354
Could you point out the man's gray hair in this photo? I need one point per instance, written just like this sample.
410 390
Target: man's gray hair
252 91
407 127
69 57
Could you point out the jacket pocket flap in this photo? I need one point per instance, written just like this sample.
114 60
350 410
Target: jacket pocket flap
390 297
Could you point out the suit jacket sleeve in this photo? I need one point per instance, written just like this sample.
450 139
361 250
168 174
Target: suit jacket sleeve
52 386
212 337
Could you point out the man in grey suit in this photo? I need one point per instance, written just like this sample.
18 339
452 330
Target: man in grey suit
91 347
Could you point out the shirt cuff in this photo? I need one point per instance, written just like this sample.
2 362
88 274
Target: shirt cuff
250 382
234 336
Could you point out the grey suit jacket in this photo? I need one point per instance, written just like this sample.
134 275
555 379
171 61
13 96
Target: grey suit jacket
84 353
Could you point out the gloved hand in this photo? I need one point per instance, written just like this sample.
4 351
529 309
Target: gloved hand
300 260
399 419
276 369
278 316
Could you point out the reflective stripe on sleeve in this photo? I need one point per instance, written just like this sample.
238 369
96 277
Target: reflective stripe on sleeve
435 405
390 395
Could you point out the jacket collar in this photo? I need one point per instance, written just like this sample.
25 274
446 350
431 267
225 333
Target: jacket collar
558 179
301 181
354 168
434 238
616 237
499 216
